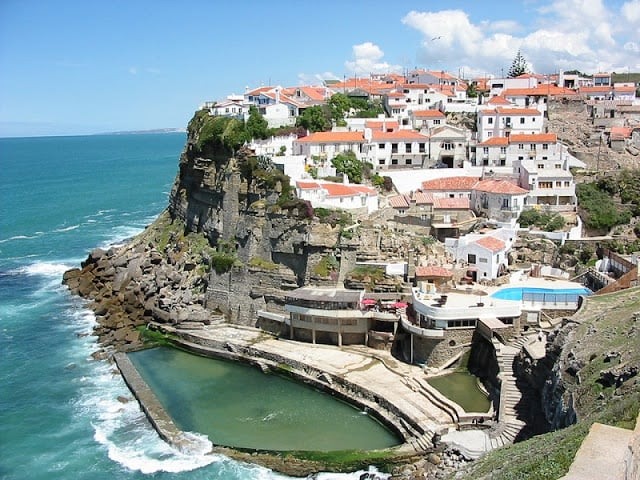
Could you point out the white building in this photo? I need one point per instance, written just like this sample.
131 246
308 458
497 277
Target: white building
504 121
498 200
425 120
338 195
486 255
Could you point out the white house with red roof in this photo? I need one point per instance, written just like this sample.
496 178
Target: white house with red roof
508 151
338 195
450 187
485 254
396 149
326 145
505 120
425 120
499 200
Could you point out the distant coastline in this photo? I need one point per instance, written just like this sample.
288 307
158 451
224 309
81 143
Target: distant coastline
142 132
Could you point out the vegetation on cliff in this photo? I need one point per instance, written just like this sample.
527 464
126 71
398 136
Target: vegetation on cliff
610 201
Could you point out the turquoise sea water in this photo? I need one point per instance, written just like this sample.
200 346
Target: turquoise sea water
60 417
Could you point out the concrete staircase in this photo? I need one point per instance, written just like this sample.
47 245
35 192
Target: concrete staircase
511 398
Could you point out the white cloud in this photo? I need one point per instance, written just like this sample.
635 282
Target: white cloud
589 35
631 12
317 78
133 70
367 58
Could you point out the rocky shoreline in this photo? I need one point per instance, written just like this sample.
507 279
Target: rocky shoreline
133 285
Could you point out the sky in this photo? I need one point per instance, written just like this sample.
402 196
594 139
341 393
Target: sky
73 67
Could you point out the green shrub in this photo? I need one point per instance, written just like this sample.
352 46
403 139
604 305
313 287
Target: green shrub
326 265
222 262
262 264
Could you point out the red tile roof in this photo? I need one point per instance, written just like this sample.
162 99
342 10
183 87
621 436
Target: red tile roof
540 91
382 124
337 189
498 100
428 114
398 201
432 271
450 183
451 203
533 138
399 135
620 133
333 137
493 185
494 142
422 198
518 111
492 244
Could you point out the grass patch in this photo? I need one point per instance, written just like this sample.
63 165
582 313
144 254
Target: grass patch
262 264
154 338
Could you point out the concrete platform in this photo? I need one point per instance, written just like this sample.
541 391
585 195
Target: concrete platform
601 455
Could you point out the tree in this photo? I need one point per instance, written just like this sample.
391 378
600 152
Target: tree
472 91
348 164
518 67
256 127
314 119
340 104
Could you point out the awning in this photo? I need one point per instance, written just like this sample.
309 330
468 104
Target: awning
369 301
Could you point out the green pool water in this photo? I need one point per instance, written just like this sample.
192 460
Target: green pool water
237 405
462 388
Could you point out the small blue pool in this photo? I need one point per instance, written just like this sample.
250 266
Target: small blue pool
540 294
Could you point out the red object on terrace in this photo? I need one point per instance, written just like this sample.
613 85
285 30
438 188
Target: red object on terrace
400 305
369 301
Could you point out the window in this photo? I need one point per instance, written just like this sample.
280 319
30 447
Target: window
424 217
545 184
471 259
533 147
394 148
482 260
503 150
558 184
447 146
421 147
521 146
485 150
521 120
407 161
567 183
545 146
381 146
407 148
381 161
490 120
436 121
394 161
558 166
540 166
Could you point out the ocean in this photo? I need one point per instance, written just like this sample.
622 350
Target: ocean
64 415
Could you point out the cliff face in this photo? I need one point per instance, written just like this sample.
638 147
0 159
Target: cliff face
238 202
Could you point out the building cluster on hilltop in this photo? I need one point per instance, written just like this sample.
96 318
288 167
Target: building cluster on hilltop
447 174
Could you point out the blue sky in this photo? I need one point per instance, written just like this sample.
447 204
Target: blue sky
83 66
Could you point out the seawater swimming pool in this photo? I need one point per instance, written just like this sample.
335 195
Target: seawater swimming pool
540 294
